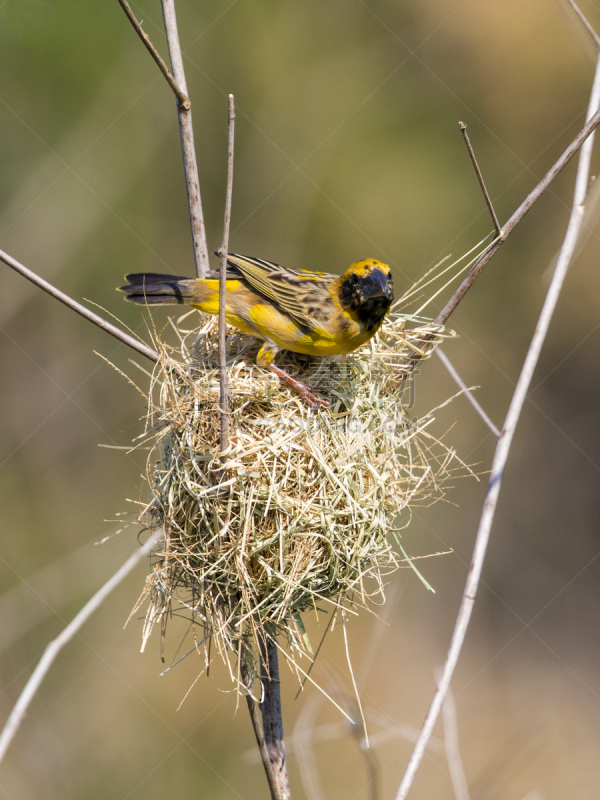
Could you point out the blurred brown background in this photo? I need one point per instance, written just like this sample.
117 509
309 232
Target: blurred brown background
347 146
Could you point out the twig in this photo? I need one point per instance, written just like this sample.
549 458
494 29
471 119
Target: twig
585 23
508 430
224 397
19 711
467 392
184 100
186 132
455 765
488 200
508 228
271 717
73 304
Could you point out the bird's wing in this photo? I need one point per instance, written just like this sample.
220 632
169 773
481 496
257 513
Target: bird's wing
305 296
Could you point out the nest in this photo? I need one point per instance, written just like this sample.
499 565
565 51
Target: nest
303 509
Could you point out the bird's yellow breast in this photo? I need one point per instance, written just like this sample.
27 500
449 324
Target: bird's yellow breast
206 299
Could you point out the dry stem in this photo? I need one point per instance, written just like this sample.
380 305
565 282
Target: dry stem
19 711
186 132
257 725
75 306
182 97
272 718
269 734
224 398
466 391
512 418
199 235
512 223
451 746
488 200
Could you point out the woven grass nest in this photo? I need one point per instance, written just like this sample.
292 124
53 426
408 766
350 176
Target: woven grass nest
304 510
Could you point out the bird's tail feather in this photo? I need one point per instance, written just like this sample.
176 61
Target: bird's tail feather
151 288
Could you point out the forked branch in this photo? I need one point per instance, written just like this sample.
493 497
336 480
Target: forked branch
177 82
181 96
441 318
512 223
508 430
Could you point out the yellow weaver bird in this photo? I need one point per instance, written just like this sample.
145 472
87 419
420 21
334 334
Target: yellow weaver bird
307 312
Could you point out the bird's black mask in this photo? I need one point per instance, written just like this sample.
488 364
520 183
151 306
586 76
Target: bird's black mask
368 296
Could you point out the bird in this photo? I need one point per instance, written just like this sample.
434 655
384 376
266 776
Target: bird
316 313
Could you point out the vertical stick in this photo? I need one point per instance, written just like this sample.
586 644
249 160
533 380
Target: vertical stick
272 718
256 719
186 132
224 397
269 732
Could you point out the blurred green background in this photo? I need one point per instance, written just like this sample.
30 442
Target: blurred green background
347 146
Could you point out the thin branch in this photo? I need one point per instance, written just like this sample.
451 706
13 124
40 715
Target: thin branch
224 396
53 649
467 392
508 228
488 199
272 718
85 312
585 23
257 725
508 431
455 765
184 100
186 132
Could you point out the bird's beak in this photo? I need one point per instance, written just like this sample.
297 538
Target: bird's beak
378 285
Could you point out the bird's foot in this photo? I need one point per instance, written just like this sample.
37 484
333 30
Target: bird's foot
310 398
305 392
